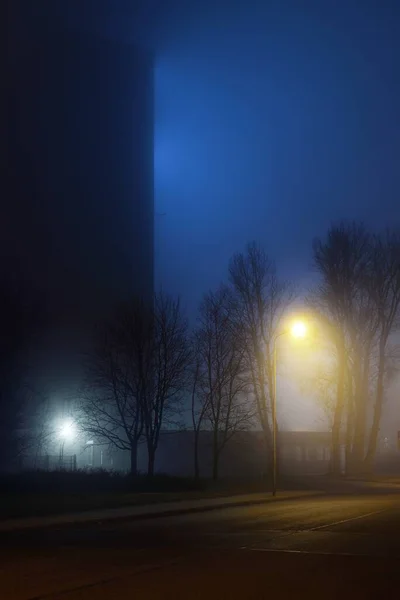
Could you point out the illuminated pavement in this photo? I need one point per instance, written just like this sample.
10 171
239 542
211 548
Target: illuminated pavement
321 547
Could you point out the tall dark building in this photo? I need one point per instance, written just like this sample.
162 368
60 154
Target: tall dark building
77 195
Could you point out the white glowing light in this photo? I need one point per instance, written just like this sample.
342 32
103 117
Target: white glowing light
299 329
67 431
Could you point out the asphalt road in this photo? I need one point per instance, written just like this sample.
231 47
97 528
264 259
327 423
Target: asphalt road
320 547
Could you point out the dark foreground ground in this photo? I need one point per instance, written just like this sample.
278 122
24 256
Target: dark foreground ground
320 547
44 493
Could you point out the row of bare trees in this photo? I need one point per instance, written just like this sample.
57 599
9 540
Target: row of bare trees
146 365
148 368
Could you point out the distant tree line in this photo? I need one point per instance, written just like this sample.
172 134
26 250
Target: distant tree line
148 369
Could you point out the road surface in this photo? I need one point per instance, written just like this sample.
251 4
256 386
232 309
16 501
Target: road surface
320 547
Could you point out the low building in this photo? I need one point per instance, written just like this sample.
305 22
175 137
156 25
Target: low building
300 452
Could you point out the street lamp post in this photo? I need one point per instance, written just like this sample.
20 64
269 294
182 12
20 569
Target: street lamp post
298 330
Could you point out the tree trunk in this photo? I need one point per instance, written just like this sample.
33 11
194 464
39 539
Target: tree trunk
215 456
335 467
215 471
357 456
373 438
196 455
349 424
151 461
134 445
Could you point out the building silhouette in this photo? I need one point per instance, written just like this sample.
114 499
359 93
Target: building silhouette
77 183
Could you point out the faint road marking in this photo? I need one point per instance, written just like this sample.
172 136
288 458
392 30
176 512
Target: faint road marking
318 553
375 512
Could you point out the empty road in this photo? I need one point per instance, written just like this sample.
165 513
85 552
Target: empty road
317 547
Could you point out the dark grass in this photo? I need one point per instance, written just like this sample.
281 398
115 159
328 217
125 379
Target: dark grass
92 481
40 493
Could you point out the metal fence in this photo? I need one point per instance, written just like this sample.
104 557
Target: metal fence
51 462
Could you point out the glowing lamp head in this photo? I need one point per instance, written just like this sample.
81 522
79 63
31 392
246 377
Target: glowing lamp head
299 329
67 431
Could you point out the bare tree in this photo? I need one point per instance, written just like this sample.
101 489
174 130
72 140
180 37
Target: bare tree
117 376
261 299
359 295
331 326
223 382
136 376
199 398
169 368
342 300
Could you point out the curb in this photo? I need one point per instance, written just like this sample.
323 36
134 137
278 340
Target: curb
10 527
199 509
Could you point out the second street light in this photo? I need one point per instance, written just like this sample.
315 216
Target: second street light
297 330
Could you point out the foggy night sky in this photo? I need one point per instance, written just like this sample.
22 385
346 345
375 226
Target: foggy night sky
269 125
272 120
